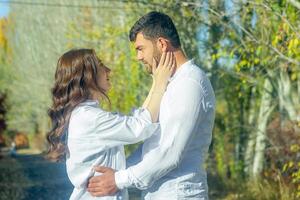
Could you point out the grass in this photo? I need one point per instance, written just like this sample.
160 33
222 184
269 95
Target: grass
240 189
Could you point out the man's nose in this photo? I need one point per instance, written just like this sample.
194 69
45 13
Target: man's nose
139 56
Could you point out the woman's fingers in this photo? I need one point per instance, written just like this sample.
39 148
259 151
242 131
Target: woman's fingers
171 60
167 60
162 59
173 66
154 65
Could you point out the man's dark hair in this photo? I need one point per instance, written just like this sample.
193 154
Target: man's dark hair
154 25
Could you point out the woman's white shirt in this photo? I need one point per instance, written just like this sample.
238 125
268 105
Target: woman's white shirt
96 137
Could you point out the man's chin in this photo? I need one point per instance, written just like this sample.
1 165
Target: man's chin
148 69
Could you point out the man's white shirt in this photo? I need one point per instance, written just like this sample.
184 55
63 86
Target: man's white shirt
170 164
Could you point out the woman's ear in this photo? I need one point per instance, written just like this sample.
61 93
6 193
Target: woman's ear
163 44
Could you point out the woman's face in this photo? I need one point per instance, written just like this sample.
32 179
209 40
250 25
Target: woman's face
104 79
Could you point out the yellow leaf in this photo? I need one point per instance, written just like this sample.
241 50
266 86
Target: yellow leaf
2 36
295 148
276 40
285 27
243 62
294 76
284 167
291 164
213 57
291 45
296 42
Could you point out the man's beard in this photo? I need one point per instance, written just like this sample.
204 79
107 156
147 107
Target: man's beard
156 56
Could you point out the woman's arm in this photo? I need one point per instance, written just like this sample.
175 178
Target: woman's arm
161 75
146 102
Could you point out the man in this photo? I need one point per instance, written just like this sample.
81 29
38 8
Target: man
170 164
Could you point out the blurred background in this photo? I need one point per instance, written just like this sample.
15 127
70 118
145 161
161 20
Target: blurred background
249 49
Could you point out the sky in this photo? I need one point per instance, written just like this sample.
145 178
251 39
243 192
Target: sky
4 9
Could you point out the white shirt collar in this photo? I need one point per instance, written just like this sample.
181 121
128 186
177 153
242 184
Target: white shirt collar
178 71
90 102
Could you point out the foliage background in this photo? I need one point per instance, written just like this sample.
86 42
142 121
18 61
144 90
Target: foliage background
249 49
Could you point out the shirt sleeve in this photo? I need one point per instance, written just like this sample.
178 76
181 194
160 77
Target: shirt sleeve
176 132
111 129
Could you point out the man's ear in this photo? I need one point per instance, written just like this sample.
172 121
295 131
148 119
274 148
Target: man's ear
163 44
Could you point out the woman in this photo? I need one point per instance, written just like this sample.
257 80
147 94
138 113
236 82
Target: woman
84 134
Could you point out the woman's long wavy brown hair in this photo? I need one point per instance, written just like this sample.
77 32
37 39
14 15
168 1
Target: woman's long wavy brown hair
75 81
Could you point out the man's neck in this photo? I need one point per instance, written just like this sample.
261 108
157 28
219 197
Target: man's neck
180 58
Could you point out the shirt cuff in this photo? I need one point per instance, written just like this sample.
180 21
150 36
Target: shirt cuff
122 179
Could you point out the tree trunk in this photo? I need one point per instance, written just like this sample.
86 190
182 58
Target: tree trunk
285 92
265 110
249 152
